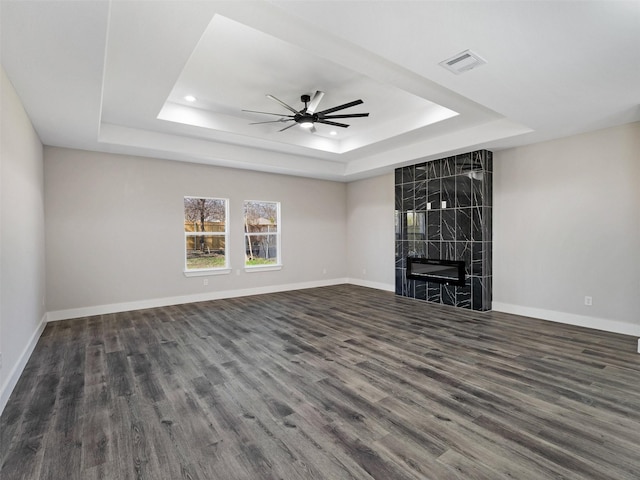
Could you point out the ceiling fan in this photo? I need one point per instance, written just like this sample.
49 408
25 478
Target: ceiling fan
308 116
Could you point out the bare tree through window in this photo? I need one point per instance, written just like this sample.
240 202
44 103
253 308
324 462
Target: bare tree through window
262 233
205 227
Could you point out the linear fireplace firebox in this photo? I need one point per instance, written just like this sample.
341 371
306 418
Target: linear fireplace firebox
449 272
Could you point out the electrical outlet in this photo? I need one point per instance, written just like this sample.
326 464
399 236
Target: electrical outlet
205 282
588 301
324 271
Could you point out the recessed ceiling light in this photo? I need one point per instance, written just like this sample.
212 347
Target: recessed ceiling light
190 98
333 132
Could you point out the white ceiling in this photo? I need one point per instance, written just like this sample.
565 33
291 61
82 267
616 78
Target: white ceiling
112 76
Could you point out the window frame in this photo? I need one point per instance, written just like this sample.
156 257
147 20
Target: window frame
198 272
278 234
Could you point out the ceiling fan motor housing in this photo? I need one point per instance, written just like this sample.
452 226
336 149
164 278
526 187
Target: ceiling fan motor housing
306 118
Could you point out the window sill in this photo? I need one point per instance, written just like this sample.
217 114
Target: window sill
206 272
262 268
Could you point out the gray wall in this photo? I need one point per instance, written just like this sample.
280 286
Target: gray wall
371 232
115 237
567 225
22 263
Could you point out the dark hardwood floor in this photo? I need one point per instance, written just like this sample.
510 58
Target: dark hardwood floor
338 382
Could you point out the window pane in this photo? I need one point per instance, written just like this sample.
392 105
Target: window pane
204 215
262 235
205 251
260 217
261 249
205 224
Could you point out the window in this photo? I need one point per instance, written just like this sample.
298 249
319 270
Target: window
261 233
205 234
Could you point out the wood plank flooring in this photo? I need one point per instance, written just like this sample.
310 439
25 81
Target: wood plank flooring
339 382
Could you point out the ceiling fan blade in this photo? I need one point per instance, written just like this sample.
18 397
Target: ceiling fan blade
291 109
346 115
287 128
340 107
273 121
335 124
313 104
268 113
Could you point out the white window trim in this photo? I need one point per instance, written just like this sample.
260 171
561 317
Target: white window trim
206 272
274 266
201 272
263 268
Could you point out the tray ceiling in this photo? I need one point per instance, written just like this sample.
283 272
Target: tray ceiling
113 76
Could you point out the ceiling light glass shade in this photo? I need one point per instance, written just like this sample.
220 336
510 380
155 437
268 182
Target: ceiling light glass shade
306 124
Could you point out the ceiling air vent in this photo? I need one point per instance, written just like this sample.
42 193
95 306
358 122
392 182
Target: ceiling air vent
463 61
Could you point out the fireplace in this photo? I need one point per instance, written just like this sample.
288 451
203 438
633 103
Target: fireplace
449 272
443 213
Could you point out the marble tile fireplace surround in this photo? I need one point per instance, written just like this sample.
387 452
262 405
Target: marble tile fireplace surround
443 215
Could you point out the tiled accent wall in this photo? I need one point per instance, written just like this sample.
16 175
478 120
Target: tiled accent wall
443 210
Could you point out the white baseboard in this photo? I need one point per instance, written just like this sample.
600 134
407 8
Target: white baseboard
377 285
18 368
613 326
200 297
551 315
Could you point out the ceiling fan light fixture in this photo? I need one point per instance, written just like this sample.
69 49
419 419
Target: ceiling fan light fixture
306 124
